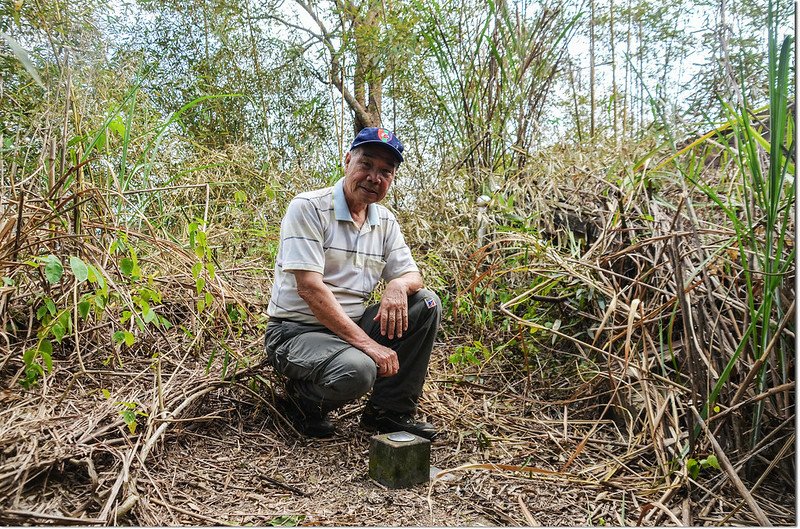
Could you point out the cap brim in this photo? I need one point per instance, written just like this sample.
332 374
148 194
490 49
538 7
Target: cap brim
397 154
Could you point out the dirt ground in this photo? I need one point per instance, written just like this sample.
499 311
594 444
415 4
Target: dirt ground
226 457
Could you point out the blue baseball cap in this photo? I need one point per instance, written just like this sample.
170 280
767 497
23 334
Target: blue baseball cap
379 136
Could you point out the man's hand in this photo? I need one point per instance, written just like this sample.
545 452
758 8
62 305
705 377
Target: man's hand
386 360
393 312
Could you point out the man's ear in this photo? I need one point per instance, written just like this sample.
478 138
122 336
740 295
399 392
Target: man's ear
347 159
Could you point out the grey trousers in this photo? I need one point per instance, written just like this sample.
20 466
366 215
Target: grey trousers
327 370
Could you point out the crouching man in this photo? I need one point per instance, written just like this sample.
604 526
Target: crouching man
336 244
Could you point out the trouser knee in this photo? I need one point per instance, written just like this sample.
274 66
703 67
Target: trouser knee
350 376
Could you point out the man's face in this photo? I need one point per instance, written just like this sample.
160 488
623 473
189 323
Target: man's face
369 172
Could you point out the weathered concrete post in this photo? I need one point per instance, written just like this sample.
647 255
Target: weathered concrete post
399 459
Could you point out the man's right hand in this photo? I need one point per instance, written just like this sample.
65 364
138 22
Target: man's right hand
385 359
329 312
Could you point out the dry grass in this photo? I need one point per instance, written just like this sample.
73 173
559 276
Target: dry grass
586 429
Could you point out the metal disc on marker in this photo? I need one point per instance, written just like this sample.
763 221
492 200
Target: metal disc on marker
400 437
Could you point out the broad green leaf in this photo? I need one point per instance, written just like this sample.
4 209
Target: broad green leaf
119 336
149 315
51 306
48 360
117 126
693 467
66 320
95 276
58 331
83 308
106 393
199 285
129 339
27 356
129 417
126 266
40 312
79 269
144 305
212 270
196 269
712 461
53 269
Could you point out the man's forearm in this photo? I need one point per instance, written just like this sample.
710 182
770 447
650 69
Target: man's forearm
329 312
411 282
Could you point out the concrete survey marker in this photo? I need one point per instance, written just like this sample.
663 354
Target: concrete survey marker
399 459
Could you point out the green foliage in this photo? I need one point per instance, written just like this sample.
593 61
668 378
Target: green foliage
474 354
694 467
766 196
130 413
199 244
53 269
286 520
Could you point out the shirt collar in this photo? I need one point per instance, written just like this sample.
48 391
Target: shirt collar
342 212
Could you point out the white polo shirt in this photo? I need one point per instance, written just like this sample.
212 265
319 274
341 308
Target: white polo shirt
319 234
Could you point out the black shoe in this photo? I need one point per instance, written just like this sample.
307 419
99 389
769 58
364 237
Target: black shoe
306 416
386 421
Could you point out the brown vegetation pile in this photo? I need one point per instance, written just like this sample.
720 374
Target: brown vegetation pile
178 426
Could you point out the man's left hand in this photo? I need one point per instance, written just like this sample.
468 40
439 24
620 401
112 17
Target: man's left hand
393 312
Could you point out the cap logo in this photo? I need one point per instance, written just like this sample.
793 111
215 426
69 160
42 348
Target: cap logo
384 135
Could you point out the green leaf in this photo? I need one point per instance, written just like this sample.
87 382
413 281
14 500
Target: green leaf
118 337
46 347
28 355
8 282
40 312
196 269
149 315
712 461
199 285
129 338
129 417
117 126
96 277
106 393
126 266
209 299
48 361
83 309
58 331
51 306
53 269
211 270
79 269
693 467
